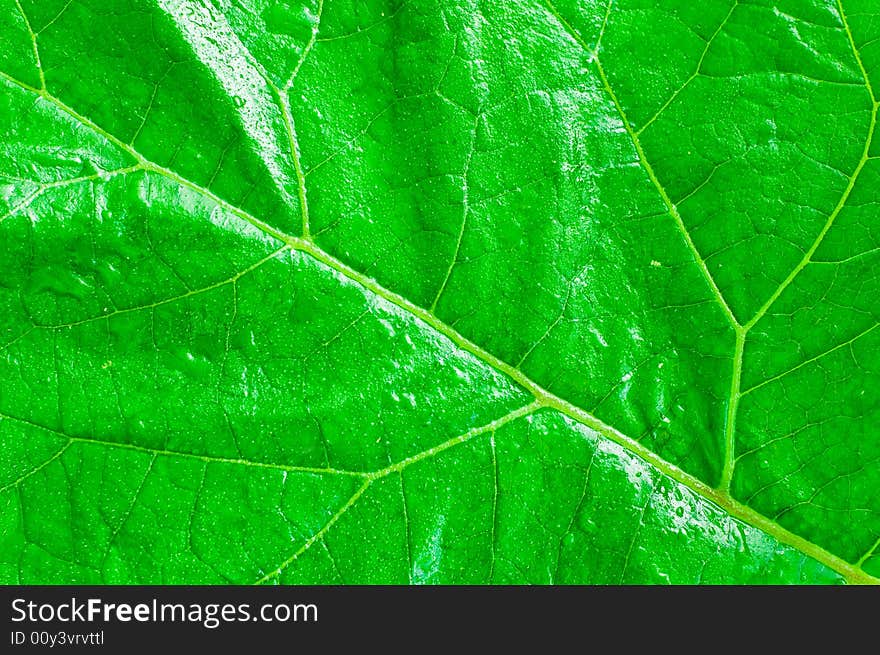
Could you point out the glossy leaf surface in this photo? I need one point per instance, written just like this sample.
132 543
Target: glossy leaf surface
458 292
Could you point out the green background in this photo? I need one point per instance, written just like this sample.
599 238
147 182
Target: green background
459 292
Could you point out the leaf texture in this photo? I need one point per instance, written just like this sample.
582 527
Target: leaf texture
394 291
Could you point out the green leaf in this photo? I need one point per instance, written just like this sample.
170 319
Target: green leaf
463 292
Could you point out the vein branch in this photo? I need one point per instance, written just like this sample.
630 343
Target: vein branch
318 536
465 210
374 475
207 459
34 46
667 201
815 358
36 469
732 408
869 553
855 50
145 163
166 301
283 95
42 188
643 159
696 72
847 192
311 44
462 438
290 128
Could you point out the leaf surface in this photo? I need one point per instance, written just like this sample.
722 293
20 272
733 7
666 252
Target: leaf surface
459 292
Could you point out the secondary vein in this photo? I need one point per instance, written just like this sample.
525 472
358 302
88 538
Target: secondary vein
290 128
649 170
732 407
35 47
865 158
